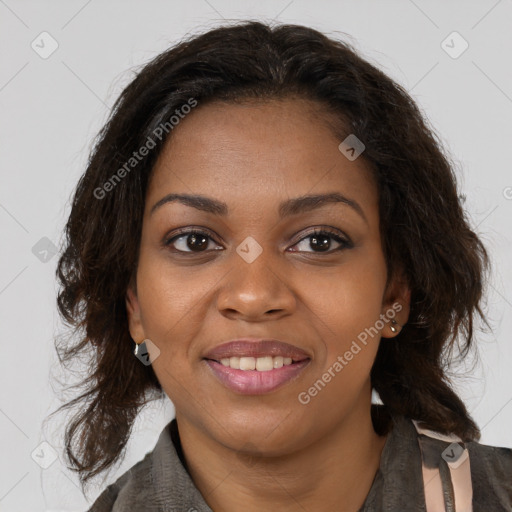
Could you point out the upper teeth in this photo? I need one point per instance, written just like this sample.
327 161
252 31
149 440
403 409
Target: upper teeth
262 364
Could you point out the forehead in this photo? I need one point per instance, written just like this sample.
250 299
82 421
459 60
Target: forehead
258 150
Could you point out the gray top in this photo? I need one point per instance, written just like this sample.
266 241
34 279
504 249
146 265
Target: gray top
161 483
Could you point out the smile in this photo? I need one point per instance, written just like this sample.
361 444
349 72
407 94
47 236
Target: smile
251 366
260 364
253 375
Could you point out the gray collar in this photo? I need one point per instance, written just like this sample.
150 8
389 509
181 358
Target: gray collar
160 482
398 483
170 478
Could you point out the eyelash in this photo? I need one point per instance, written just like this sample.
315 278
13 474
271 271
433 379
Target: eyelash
345 243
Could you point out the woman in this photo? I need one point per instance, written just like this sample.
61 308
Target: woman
271 224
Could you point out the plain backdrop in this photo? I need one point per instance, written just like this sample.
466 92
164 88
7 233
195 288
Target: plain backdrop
52 106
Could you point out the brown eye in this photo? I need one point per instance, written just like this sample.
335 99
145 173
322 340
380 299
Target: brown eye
190 241
320 241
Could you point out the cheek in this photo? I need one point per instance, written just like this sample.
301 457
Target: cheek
169 295
350 310
348 300
170 302
171 305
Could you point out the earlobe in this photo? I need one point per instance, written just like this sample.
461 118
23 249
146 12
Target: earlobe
393 325
396 311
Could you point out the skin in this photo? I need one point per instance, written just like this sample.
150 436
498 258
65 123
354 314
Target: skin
321 456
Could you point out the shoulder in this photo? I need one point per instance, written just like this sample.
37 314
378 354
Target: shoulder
494 460
491 473
129 487
489 467
140 488
158 482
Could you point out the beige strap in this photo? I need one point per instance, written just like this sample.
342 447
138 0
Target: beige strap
434 499
460 473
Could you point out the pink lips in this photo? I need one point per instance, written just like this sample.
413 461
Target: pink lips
253 382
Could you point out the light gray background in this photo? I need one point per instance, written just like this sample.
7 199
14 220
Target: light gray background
52 108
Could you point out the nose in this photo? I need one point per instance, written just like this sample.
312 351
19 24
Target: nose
256 291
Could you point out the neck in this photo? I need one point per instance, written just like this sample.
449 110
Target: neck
334 473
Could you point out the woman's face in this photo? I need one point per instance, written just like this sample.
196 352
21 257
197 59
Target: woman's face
257 270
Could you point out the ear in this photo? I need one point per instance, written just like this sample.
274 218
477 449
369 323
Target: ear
134 315
396 307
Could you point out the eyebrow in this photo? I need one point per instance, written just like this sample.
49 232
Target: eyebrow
286 208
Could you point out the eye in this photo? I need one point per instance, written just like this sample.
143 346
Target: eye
321 239
197 241
191 241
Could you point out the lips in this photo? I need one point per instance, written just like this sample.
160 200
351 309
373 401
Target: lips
256 348
289 363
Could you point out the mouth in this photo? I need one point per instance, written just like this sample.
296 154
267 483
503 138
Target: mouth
259 364
256 367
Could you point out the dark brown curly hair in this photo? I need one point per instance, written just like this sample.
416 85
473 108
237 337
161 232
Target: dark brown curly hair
425 232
